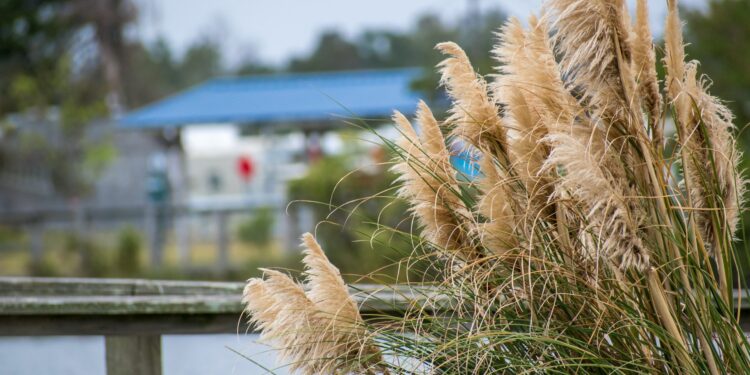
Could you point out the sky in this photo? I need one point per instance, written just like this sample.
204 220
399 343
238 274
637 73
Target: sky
272 31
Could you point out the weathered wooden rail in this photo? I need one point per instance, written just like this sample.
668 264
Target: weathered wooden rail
133 314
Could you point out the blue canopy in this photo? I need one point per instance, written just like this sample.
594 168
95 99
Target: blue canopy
283 98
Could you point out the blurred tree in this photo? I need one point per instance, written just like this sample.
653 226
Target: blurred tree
250 63
152 73
249 67
380 48
59 141
26 24
333 52
33 35
155 72
718 38
59 59
109 18
202 60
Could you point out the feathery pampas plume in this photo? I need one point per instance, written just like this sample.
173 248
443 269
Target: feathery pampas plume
474 115
429 183
674 51
319 331
527 152
498 232
644 69
572 251
711 159
592 41
475 119
613 222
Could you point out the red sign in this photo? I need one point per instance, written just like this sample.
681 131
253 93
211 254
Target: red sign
245 167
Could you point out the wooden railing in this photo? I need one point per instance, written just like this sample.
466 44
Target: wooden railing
133 314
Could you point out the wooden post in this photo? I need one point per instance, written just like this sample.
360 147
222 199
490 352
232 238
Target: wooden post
155 217
133 355
181 220
222 240
36 242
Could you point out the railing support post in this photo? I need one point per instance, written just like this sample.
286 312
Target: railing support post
133 355
222 240
36 243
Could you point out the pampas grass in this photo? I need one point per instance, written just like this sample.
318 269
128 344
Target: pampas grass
577 249
318 330
429 182
644 70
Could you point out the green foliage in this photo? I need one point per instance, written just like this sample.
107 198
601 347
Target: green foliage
98 156
333 52
353 228
155 72
718 39
61 146
93 258
9 235
26 23
33 35
129 252
258 229
383 48
46 267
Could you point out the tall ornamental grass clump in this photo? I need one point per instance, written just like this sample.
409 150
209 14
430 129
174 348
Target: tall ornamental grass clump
591 242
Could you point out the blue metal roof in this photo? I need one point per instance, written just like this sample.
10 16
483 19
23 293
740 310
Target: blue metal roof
279 98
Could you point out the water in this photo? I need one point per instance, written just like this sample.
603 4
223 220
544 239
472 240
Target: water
181 355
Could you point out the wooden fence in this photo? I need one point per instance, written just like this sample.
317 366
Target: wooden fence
132 314
155 222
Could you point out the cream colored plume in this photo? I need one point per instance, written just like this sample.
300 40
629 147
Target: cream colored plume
592 42
545 88
674 54
319 331
474 115
497 233
614 219
644 68
591 38
286 318
261 305
326 287
711 159
429 184
475 118
344 330
528 68
530 90
695 108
